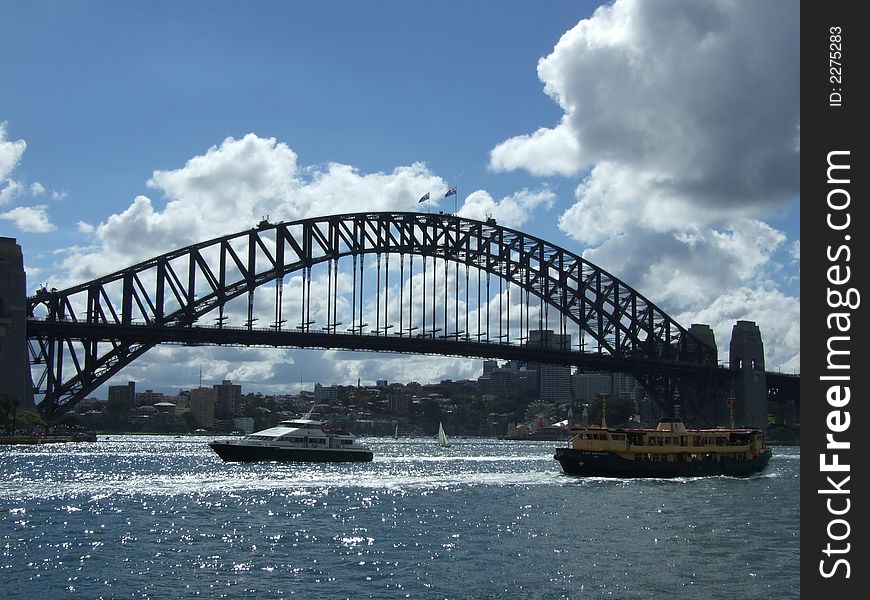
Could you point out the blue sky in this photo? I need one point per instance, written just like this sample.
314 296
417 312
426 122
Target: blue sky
655 142
104 92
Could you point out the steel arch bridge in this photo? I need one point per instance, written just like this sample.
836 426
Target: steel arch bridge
479 290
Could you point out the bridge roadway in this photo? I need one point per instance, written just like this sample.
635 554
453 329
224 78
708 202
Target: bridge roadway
150 334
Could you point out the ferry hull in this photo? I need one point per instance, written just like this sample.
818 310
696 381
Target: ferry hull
605 464
230 452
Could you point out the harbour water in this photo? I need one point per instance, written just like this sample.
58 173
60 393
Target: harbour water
164 517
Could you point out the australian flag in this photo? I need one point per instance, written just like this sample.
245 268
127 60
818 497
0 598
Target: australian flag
450 192
424 198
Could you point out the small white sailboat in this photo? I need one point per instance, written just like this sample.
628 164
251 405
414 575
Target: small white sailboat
396 435
442 437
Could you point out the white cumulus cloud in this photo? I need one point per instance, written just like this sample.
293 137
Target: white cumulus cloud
777 315
681 121
513 210
233 185
32 219
10 153
675 103
84 227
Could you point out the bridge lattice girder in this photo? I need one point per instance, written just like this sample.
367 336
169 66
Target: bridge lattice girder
106 323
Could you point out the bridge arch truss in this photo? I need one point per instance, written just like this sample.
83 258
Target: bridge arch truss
461 287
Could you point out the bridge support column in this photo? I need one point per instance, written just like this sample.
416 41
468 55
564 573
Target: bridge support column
15 382
701 399
750 387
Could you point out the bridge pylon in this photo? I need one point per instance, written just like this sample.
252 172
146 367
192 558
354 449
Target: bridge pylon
15 382
750 386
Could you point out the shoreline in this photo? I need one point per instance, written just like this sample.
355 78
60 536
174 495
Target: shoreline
9 440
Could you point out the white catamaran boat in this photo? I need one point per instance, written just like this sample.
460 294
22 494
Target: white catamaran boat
303 440
442 437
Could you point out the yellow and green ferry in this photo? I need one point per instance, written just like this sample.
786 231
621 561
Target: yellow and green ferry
669 450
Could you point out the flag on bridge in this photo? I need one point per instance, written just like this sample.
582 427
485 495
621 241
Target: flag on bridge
424 198
450 192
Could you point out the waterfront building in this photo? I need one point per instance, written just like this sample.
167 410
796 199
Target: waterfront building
325 393
202 401
165 408
399 402
148 397
181 402
624 384
554 381
245 424
122 396
587 386
513 381
228 399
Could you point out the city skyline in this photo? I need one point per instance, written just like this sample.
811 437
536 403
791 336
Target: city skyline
684 185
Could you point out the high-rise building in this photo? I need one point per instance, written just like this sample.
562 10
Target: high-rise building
123 395
228 400
245 424
554 381
325 394
148 398
512 383
202 401
588 386
624 384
